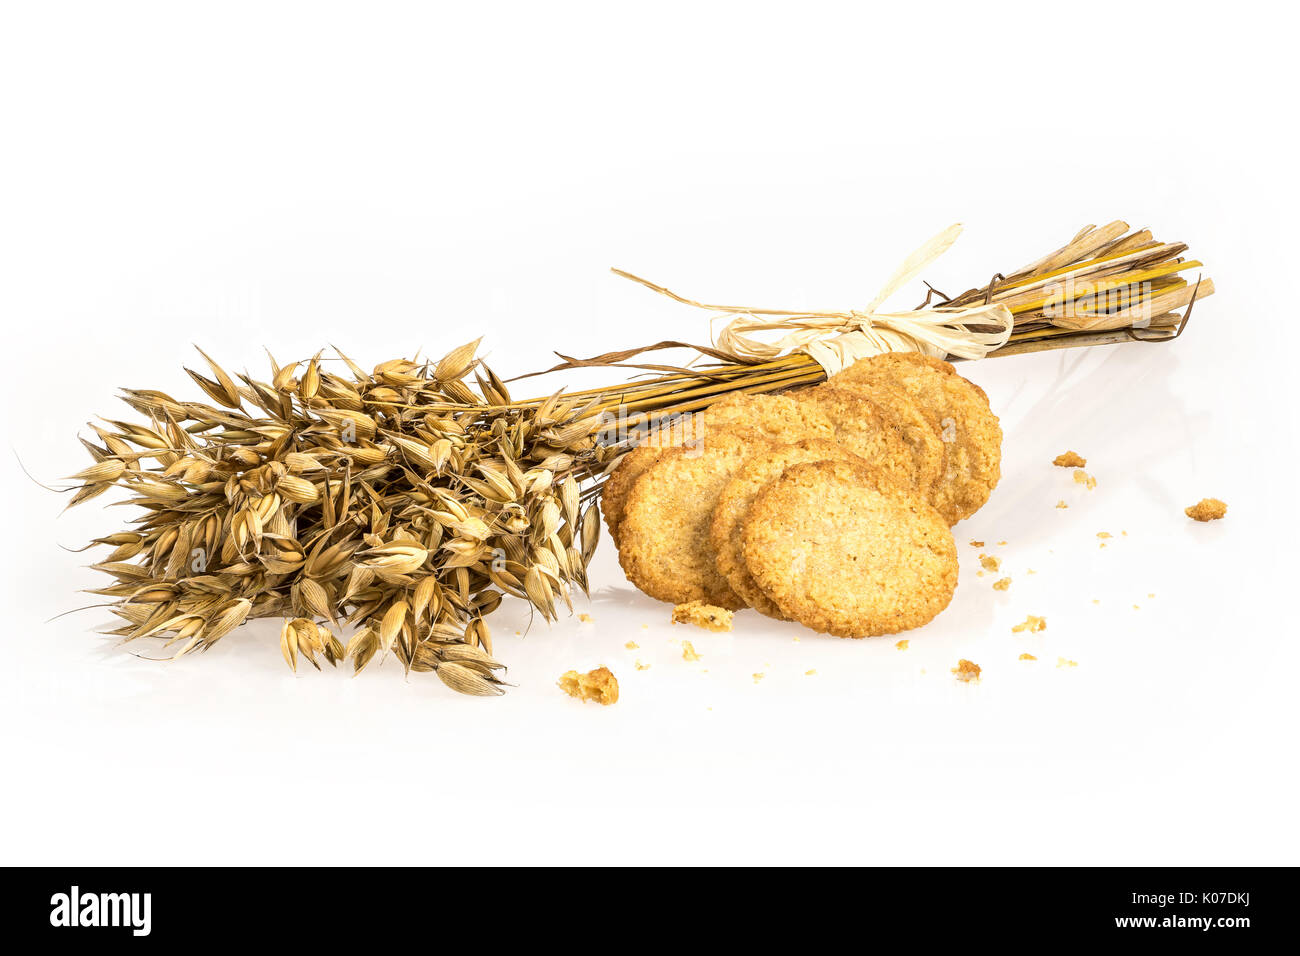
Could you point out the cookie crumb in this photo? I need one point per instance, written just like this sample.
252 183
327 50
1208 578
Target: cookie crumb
810 673
1030 571
642 667
976 544
1083 478
1065 662
1002 544
1070 459
688 652
1104 534
902 645
585 618
966 670
989 563
708 616
599 685
632 645
1207 509
757 678
1028 657
1062 504
1002 585
1150 595
1032 623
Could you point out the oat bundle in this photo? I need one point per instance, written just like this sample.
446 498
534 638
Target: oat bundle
404 503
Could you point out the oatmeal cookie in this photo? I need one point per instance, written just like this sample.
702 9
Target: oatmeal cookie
779 418
919 434
613 497
733 506
841 550
865 429
664 531
960 411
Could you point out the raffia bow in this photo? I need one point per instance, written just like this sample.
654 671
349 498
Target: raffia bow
838 339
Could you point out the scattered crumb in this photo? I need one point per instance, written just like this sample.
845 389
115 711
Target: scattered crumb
1137 607
1062 504
1065 662
599 685
688 652
1104 534
632 645
976 544
1002 584
1002 544
1031 571
645 627
902 645
966 670
1096 600
757 678
1083 478
1124 533
1150 595
796 638
810 673
1207 509
1032 623
1028 657
1071 459
707 616
989 563
584 618
979 574
1102 545
642 667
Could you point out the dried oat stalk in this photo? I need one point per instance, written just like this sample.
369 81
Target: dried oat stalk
401 503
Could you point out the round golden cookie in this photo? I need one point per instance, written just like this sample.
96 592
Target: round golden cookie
613 496
668 432
664 543
776 417
921 437
734 503
960 411
864 429
844 552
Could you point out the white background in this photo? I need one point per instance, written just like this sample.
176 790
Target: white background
389 178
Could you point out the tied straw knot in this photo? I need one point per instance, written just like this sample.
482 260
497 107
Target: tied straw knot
838 339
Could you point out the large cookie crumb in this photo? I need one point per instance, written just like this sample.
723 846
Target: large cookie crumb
708 616
1207 509
1071 459
599 685
966 670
